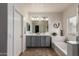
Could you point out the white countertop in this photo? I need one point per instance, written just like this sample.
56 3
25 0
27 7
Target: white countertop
38 34
73 42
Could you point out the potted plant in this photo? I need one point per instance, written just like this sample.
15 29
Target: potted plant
54 33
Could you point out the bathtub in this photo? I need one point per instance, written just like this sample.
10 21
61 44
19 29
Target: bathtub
59 46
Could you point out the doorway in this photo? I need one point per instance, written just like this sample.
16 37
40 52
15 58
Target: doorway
18 33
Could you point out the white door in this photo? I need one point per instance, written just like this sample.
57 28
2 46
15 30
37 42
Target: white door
17 33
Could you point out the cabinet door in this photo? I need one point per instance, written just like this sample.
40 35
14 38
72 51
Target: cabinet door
38 41
43 41
33 41
28 41
48 41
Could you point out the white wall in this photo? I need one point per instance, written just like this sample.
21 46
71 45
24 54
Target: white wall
10 30
25 32
69 12
56 17
53 17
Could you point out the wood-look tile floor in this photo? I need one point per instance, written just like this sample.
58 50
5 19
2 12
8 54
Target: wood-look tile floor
39 52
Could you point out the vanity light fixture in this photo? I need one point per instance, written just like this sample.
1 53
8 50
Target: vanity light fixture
47 18
36 18
33 18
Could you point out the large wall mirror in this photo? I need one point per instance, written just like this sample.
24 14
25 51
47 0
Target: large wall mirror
39 27
39 24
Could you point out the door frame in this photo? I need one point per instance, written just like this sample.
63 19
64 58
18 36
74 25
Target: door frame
15 10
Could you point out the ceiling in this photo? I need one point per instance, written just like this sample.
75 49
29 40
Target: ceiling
42 7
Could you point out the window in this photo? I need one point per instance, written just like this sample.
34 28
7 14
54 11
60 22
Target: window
72 25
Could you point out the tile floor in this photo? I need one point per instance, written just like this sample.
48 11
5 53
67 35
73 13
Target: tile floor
39 52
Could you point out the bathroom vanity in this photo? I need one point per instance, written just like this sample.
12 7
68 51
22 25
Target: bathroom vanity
37 41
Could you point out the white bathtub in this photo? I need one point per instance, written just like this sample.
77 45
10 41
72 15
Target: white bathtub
59 45
62 46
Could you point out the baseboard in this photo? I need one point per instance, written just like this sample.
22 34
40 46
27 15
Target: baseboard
22 53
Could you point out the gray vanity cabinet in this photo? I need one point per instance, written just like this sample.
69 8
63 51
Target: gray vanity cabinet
43 41
35 41
38 41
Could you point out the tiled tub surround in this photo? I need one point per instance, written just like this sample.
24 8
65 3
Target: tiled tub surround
60 48
59 45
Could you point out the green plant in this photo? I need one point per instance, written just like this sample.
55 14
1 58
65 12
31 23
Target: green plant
54 34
